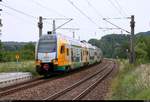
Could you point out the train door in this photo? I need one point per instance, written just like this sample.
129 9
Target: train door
62 55
87 56
84 56
68 55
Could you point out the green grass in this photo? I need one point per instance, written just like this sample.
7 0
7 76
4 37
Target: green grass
132 82
23 66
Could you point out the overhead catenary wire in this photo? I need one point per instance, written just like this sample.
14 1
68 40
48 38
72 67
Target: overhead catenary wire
45 18
121 8
102 16
82 12
95 10
120 18
112 3
18 18
116 26
56 12
109 28
47 8
63 24
18 11
70 28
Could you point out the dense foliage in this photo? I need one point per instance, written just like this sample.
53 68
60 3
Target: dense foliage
142 48
8 51
117 45
131 82
113 46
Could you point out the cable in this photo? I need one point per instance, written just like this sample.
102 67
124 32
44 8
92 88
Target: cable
96 11
18 11
120 18
18 18
56 18
120 7
81 12
47 8
109 28
116 25
115 7
63 24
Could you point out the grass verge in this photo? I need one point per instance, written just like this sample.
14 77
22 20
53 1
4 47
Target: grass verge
132 82
23 66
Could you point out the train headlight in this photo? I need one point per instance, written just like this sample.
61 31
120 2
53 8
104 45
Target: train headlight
54 61
38 62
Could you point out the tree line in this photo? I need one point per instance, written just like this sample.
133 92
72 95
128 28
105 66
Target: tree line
113 46
118 46
25 52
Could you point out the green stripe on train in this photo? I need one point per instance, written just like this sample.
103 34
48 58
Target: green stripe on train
63 68
60 68
92 62
77 64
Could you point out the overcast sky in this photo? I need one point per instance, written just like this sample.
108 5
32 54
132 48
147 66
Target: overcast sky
19 27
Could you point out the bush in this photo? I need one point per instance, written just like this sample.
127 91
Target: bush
132 82
23 66
25 53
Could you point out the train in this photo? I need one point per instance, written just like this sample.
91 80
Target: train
60 53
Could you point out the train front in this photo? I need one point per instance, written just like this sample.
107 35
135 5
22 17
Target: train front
46 54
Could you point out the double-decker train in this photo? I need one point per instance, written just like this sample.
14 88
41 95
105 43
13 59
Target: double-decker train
59 53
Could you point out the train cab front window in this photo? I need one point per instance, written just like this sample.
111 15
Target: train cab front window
47 47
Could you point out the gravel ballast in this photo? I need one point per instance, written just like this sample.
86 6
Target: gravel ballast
41 91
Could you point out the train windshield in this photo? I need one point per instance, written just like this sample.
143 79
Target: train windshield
47 46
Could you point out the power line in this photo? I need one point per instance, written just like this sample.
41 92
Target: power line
18 18
82 12
120 18
109 28
70 28
115 7
120 7
96 11
57 18
116 25
47 8
18 11
63 24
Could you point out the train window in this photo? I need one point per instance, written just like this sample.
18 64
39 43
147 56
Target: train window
87 53
62 50
96 53
81 55
72 54
67 51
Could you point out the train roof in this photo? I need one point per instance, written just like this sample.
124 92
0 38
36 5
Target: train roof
70 40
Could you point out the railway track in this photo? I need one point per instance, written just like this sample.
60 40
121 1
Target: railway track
15 85
39 82
21 86
32 83
98 77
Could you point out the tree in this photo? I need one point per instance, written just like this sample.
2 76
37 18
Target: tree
1 54
142 48
27 52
